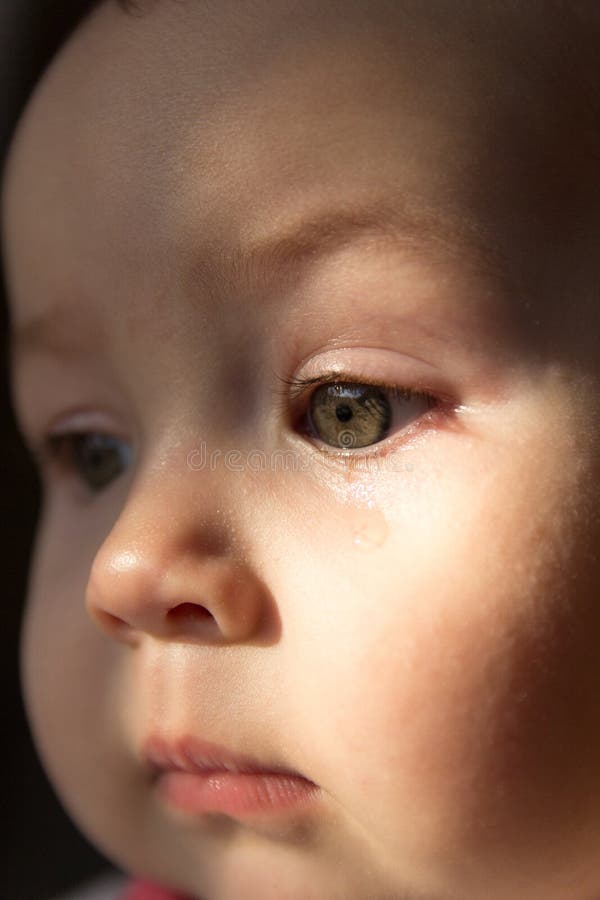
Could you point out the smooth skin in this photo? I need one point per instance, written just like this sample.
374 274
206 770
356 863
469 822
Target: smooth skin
414 625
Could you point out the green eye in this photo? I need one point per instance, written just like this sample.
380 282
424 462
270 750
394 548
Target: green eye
96 458
349 415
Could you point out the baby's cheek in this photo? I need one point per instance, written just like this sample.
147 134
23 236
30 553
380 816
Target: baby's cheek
477 691
68 670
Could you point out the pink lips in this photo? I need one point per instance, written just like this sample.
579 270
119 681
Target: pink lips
198 777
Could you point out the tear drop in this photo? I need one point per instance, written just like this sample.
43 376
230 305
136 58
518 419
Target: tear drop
370 529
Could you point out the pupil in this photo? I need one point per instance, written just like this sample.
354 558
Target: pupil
98 460
95 458
343 412
349 414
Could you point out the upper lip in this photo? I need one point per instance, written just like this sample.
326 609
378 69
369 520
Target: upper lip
187 753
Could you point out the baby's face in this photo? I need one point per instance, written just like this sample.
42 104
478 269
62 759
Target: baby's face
393 593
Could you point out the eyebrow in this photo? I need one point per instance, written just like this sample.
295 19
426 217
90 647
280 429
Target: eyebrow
418 228
422 231
61 330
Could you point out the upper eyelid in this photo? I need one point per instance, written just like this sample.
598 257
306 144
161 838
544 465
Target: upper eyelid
78 418
294 388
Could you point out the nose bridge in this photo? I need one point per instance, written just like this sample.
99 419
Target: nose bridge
168 510
169 568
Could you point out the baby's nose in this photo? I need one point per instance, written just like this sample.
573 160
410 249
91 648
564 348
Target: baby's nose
172 580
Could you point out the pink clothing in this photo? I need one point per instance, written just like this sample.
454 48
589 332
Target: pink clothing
145 890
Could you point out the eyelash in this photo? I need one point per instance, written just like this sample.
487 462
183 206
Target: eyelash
300 385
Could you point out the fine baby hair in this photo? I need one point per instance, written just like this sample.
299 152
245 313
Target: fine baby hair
305 345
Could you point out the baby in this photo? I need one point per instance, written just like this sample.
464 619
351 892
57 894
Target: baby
305 339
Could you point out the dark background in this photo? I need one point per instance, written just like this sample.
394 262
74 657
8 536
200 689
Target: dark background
42 854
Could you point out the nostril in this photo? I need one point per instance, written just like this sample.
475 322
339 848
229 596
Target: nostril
115 621
188 612
113 625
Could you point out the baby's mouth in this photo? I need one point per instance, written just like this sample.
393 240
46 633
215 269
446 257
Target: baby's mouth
197 777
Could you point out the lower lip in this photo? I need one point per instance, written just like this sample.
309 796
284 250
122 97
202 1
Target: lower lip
236 794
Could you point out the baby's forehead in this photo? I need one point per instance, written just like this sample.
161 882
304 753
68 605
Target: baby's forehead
234 72
195 119
214 53
237 84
